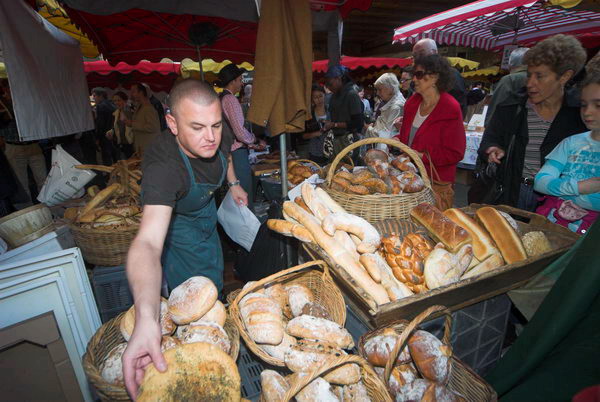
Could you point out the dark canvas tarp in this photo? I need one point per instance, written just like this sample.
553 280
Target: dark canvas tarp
558 353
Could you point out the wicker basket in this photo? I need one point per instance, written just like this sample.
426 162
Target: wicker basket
321 284
108 336
375 387
104 247
377 207
463 380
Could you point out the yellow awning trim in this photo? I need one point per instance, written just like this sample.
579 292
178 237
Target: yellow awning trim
191 68
460 62
484 72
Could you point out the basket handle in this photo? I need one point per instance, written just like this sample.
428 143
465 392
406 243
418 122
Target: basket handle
408 330
278 275
387 141
302 381
309 162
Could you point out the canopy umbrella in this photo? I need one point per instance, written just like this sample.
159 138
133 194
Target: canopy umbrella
136 34
211 68
492 24
463 63
484 74
159 76
320 66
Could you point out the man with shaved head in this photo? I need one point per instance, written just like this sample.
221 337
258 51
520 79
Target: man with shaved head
178 233
425 47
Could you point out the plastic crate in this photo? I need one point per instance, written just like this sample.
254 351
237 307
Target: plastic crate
111 291
250 368
477 331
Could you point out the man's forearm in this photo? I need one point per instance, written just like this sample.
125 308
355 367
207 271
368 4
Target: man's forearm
144 273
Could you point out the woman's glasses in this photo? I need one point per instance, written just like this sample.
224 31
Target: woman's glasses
419 74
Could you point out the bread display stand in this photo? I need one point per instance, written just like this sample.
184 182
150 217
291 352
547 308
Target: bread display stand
463 380
460 294
320 283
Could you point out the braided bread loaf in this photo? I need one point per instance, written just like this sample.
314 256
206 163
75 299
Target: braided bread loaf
406 258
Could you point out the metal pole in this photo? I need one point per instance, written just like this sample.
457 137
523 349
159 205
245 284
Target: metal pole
283 169
200 63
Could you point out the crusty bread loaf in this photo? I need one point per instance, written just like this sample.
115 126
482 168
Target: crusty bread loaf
290 229
273 385
536 243
443 268
192 299
263 318
440 226
343 238
167 326
504 235
317 390
431 356
356 393
414 391
195 372
379 347
168 342
316 310
369 236
375 154
401 375
279 351
280 295
208 332
308 355
112 368
320 329
344 375
216 314
483 245
490 263
338 253
298 296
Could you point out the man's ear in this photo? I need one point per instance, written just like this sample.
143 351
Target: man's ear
171 122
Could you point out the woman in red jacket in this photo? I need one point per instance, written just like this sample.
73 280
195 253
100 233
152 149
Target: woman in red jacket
433 124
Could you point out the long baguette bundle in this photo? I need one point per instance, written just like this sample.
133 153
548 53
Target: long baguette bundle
338 253
100 198
290 229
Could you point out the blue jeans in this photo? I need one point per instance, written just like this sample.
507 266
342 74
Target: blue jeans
528 199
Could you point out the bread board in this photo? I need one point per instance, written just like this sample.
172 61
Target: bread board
460 294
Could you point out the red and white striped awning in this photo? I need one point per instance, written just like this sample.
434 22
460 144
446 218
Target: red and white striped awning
471 25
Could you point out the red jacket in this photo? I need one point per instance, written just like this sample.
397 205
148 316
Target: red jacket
442 134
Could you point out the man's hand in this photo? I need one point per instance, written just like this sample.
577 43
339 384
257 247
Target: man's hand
143 348
239 195
261 145
494 154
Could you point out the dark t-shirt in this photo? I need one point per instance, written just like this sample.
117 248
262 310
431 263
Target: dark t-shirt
165 179
343 105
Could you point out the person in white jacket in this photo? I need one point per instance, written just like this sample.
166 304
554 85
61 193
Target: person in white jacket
388 89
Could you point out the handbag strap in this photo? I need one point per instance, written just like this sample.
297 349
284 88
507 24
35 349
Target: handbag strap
432 168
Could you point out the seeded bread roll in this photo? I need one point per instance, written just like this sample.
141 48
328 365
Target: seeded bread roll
112 368
536 243
431 356
379 347
320 329
207 332
263 318
192 299
273 385
298 296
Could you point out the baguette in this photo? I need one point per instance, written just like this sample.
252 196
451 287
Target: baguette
374 262
290 229
490 263
483 245
318 208
344 239
369 236
328 201
441 227
301 202
337 253
504 235
100 198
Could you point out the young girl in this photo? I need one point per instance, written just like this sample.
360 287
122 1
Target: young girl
314 126
571 174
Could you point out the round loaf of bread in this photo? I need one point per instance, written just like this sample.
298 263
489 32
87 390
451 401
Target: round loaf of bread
298 296
168 342
431 356
192 299
414 391
320 329
195 372
216 314
279 351
315 310
167 326
400 376
112 368
379 347
273 385
280 295
208 332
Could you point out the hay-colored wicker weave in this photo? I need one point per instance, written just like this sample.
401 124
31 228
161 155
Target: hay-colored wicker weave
108 336
377 207
463 380
309 162
105 247
320 283
375 387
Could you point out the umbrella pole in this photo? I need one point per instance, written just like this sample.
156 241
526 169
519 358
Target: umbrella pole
283 169
200 63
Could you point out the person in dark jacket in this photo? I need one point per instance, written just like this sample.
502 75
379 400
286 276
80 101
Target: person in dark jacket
539 119
104 122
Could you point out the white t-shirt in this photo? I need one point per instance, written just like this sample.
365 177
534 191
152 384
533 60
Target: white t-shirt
417 122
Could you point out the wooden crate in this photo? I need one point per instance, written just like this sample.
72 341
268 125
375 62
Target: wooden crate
463 293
